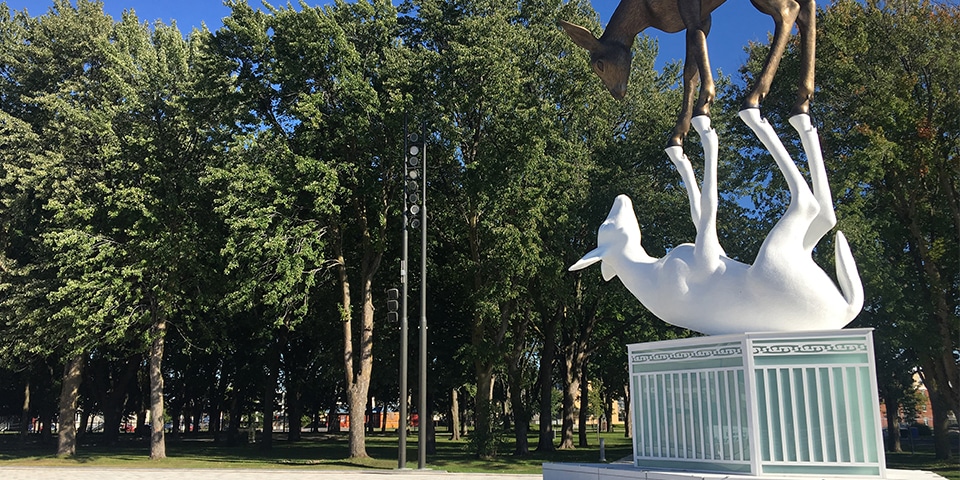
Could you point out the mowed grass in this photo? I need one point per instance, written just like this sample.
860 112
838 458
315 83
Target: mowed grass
330 451
314 451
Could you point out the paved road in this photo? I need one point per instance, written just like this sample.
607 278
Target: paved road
103 473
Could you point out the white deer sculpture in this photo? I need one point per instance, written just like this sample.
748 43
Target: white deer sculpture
698 287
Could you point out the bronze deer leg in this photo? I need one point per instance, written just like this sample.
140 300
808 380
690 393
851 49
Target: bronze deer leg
807 25
698 27
682 127
784 13
696 65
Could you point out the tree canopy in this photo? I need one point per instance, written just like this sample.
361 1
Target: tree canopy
203 225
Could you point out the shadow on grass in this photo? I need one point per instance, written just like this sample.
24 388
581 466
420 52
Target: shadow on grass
313 451
323 451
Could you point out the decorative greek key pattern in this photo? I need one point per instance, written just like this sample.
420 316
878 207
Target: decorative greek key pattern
809 348
691 354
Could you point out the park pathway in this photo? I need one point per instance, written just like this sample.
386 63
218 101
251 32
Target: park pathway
106 473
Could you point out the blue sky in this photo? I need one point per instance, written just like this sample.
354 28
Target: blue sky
734 24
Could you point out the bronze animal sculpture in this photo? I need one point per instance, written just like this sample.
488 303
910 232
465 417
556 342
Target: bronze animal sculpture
610 54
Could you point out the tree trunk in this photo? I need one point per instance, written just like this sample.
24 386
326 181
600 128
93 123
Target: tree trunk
294 411
483 430
111 422
431 439
506 409
67 433
940 365
893 425
84 425
521 416
158 449
545 379
215 424
141 427
216 405
356 400
270 393
608 411
584 414
45 418
383 418
521 426
358 359
571 393
175 410
233 425
454 415
197 417
25 414
575 355
484 362
941 438
110 387
185 419
368 416
465 421
333 420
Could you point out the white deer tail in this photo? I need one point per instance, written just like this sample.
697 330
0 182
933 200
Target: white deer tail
848 276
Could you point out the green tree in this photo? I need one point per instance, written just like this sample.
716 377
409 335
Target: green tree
115 174
312 92
888 108
493 180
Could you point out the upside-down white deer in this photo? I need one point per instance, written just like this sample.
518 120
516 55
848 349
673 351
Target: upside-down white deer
697 286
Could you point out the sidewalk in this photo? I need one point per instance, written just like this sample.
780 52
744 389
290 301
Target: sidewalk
105 473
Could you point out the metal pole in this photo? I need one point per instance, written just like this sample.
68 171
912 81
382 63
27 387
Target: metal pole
422 447
402 458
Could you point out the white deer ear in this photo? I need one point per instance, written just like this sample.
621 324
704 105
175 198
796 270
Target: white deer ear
594 256
581 36
607 271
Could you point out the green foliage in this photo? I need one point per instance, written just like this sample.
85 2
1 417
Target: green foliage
244 184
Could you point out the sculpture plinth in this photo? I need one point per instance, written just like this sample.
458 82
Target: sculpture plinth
755 406
758 404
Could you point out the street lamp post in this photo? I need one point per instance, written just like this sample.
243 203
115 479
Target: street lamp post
424 417
414 215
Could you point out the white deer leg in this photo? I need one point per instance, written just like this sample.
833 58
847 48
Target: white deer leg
826 218
689 181
795 223
707 248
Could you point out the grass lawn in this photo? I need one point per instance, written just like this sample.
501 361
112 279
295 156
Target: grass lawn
322 451
919 456
314 451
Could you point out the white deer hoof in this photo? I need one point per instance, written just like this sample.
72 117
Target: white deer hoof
701 123
801 123
752 117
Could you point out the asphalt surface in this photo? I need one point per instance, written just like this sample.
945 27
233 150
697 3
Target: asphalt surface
105 473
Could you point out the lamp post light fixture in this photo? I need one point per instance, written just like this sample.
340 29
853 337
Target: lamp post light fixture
414 216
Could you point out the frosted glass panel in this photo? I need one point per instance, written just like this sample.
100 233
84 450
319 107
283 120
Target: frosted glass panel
785 403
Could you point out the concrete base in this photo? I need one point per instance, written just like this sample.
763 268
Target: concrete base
620 471
771 405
